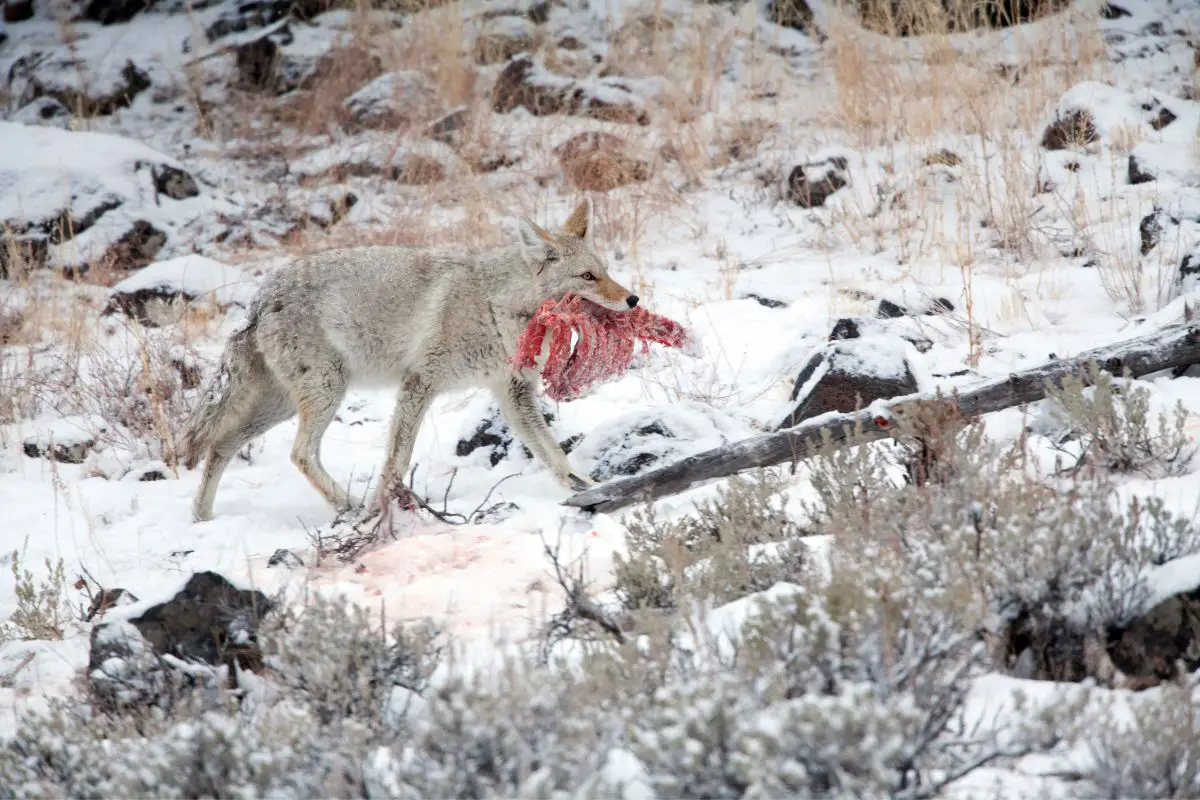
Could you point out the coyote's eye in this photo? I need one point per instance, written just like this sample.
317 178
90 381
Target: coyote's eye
587 276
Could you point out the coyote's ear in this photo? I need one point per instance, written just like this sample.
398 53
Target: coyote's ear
579 224
537 244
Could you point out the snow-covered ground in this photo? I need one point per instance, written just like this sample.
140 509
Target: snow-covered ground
950 193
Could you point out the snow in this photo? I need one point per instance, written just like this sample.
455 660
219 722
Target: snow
1060 274
195 277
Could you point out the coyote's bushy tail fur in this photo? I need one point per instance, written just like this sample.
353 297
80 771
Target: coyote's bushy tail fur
205 422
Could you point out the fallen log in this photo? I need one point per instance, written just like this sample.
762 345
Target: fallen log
1167 348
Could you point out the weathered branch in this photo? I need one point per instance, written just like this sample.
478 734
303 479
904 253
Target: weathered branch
1167 348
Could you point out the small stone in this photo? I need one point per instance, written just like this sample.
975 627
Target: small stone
810 185
285 558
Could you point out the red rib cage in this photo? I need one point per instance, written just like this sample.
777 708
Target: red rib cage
605 347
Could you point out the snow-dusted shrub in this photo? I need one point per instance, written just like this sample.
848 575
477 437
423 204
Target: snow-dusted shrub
738 543
1011 552
42 610
520 733
281 751
1111 423
1150 750
140 383
342 664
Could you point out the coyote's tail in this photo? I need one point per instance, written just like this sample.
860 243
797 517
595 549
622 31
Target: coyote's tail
206 420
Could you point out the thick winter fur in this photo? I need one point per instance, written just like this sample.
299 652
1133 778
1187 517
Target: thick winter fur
424 319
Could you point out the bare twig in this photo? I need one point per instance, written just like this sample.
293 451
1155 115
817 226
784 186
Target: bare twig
578 605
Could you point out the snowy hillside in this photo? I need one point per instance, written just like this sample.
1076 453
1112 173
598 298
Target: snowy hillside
838 213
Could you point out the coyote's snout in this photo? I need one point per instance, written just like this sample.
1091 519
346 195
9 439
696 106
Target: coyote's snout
424 319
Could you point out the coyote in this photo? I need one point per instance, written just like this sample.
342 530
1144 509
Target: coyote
424 319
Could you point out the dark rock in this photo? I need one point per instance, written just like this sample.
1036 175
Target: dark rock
538 13
106 599
392 100
1163 118
856 327
244 15
329 209
766 301
845 384
1074 129
1136 655
16 11
1151 228
493 434
810 185
1149 650
285 558
889 310
66 452
210 621
447 129
256 63
19 254
502 39
845 328
793 14
1139 174
173 182
1189 270
134 81
43 111
1111 11
109 12
632 456
136 248
497 513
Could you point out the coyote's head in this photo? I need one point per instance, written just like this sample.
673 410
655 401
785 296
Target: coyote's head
566 262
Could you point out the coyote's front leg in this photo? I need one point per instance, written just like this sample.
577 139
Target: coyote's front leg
518 404
416 395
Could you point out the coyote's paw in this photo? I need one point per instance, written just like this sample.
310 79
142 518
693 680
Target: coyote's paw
576 482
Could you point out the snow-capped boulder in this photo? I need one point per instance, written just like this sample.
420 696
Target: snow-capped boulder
488 434
145 654
90 84
67 440
643 440
77 198
850 374
391 100
367 156
501 38
1091 112
156 294
526 83
43 111
810 185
